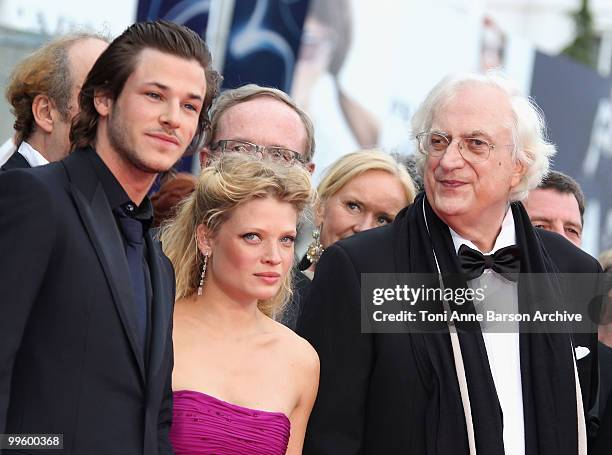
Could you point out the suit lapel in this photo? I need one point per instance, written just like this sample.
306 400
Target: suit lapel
162 304
99 221
101 227
16 161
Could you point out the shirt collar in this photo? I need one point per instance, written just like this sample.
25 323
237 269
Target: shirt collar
116 195
32 156
142 213
506 237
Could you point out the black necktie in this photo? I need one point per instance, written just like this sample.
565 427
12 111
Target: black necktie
132 232
504 261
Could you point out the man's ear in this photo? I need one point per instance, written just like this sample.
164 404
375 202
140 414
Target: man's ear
519 171
103 103
204 239
41 110
310 167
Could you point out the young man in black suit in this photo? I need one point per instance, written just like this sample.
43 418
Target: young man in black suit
481 148
87 294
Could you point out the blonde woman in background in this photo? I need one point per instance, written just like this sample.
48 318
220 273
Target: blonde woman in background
360 191
242 383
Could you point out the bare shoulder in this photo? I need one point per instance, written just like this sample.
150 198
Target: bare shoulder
300 352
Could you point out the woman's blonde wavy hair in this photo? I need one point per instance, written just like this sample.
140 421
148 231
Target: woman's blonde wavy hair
230 180
352 165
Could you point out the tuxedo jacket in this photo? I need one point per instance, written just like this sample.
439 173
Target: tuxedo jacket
16 161
69 360
372 398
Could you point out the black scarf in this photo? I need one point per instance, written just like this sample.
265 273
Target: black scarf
547 369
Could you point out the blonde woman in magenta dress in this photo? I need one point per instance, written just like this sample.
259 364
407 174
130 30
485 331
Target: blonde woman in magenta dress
242 383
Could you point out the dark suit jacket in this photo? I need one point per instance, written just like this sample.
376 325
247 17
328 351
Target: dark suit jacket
372 396
69 361
301 288
16 161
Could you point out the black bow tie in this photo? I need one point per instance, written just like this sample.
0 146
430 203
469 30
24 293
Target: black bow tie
504 261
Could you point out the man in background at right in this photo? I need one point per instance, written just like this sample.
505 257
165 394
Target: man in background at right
557 205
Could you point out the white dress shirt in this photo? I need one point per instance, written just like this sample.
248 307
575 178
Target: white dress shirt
6 150
503 351
33 157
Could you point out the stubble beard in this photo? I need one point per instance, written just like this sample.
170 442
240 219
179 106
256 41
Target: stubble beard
119 140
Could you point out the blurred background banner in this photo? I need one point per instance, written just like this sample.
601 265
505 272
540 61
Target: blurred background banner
253 41
263 42
192 13
577 102
361 68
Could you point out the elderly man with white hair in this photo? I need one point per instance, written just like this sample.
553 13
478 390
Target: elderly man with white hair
482 147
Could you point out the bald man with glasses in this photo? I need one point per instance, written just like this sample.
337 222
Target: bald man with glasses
261 120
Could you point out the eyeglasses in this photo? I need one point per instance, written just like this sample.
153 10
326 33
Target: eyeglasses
281 154
472 149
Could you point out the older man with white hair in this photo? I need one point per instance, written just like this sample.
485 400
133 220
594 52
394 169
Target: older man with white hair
482 148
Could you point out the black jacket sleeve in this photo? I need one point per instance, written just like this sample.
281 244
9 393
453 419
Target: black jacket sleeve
165 412
27 232
330 321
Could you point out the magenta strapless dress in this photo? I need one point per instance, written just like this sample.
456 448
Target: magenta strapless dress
205 425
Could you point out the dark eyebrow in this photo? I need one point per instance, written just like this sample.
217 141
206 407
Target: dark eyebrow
541 219
159 85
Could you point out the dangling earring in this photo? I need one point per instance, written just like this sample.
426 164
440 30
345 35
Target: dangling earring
315 249
203 274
